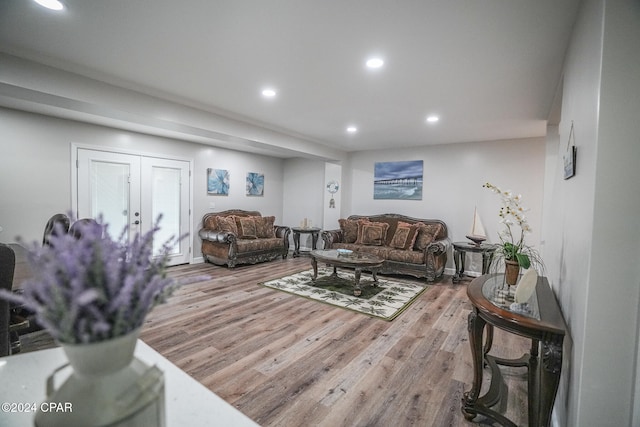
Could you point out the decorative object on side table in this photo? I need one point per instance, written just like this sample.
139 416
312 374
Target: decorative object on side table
477 234
512 249
524 291
92 294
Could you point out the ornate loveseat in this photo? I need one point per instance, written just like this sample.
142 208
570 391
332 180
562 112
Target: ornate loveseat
242 237
417 247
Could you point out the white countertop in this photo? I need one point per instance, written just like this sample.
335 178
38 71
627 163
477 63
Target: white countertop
187 402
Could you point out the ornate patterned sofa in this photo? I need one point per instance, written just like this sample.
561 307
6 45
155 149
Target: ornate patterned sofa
242 237
417 247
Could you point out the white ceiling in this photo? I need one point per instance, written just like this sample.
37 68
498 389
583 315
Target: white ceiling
488 68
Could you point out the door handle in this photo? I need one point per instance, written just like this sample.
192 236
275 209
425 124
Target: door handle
136 222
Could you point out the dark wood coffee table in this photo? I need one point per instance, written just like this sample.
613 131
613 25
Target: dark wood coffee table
356 260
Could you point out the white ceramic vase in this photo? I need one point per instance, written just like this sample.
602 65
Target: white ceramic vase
102 358
108 387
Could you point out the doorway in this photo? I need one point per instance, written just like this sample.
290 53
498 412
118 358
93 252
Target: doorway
133 190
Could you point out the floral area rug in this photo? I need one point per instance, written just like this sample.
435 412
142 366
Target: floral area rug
386 300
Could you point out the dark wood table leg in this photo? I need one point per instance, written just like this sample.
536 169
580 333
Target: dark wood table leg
488 341
487 259
549 378
458 259
356 284
335 272
296 244
476 328
314 264
314 239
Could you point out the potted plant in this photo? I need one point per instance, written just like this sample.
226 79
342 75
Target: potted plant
89 288
513 250
92 293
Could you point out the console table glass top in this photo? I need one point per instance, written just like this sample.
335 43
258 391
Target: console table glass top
498 293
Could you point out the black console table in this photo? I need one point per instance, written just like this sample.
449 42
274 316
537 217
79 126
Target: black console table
540 320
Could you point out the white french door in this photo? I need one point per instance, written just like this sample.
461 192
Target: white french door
165 191
134 190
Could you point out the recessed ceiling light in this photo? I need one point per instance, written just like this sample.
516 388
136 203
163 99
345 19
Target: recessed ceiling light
352 129
50 4
268 93
433 119
375 63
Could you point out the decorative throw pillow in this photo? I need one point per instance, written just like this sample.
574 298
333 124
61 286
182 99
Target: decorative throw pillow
349 229
405 236
246 227
264 226
361 223
372 233
211 222
426 234
227 224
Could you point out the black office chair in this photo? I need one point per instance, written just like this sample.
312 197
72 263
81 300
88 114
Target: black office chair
78 226
59 223
7 267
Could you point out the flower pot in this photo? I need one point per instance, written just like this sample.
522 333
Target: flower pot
511 272
102 358
108 386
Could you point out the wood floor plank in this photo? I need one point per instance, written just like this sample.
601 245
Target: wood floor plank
287 361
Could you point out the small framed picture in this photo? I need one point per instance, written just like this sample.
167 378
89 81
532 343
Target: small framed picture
570 162
218 182
255 184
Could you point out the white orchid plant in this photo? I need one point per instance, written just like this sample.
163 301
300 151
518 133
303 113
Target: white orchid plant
512 215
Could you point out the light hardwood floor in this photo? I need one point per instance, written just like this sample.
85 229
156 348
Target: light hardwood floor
287 361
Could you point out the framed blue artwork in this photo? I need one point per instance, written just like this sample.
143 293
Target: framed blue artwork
255 184
218 182
398 180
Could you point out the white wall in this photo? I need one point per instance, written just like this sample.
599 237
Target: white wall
453 179
590 232
303 194
35 171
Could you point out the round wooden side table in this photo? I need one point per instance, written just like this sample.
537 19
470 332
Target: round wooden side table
297 231
460 250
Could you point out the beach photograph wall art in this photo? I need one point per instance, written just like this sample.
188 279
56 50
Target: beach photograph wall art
398 180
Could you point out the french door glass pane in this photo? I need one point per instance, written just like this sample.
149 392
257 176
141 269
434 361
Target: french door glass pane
110 194
165 200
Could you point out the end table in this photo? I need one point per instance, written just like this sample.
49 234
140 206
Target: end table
460 250
297 231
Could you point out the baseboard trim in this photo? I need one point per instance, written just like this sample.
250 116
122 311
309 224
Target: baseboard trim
452 271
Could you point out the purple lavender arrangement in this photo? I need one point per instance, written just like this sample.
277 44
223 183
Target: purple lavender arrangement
91 288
